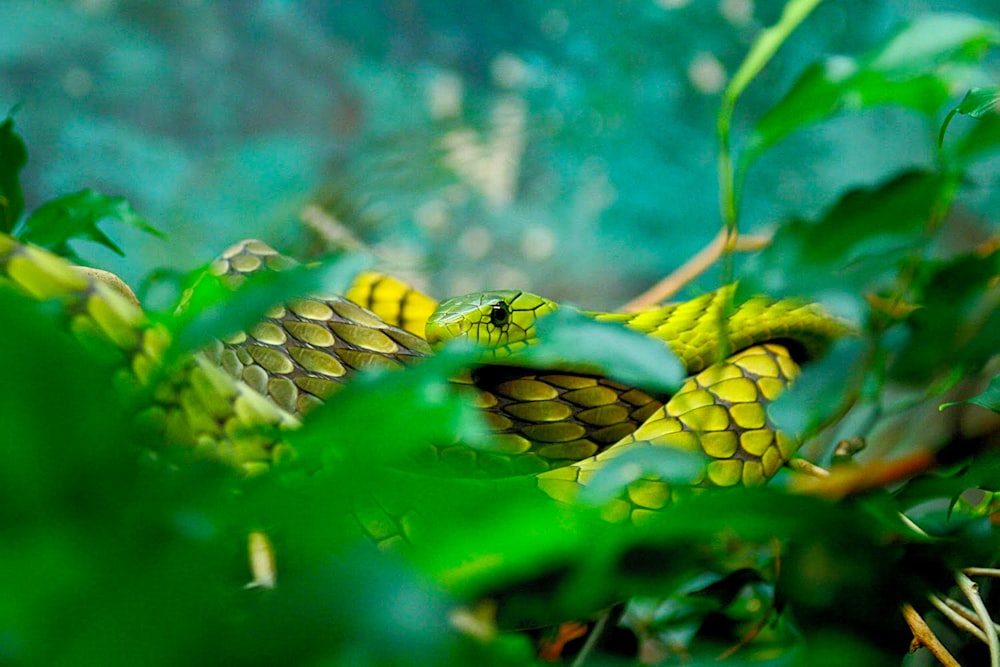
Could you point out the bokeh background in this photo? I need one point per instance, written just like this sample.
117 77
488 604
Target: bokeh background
565 147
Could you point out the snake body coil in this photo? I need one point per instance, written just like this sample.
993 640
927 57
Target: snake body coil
233 399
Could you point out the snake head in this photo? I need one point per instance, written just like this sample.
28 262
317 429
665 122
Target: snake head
501 322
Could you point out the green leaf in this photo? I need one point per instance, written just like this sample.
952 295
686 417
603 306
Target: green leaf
13 157
674 466
213 309
954 330
989 399
78 216
386 415
977 103
917 68
980 141
568 339
854 247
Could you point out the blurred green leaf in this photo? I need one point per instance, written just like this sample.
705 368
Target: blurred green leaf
13 157
385 415
676 466
954 329
989 399
213 309
854 248
976 104
980 141
78 216
916 69
568 339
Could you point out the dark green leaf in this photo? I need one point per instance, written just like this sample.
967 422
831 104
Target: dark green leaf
13 157
856 247
956 324
78 216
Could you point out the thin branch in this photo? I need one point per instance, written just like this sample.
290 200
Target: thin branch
982 571
965 611
971 591
807 468
957 619
694 267
926 637
595 634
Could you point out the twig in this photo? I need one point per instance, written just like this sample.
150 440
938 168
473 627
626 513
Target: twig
957 619
694 267
263 564
982 571
965 611
807 468
926 637
592 638
971 590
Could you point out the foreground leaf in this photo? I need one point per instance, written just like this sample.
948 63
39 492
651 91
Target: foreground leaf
78 216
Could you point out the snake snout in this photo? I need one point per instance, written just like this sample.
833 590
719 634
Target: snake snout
443 326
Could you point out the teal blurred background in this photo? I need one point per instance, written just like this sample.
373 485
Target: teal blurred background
565 147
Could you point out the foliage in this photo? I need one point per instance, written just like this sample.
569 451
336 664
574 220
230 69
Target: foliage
113 555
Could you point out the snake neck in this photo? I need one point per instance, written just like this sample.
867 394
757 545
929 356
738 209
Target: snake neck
708 328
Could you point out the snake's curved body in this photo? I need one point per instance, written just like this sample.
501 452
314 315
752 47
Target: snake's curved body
233 399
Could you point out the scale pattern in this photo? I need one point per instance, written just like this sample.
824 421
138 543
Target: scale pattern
739 363
193 404
720 412
304 350
393 300
233 400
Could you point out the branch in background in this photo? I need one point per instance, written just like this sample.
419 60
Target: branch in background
694 267
971 591
924 636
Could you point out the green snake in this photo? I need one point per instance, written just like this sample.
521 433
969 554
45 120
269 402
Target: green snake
233 399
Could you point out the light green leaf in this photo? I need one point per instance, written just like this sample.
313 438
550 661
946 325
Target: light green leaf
916 68
78 216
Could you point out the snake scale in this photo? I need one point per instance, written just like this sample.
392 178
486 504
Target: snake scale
232 399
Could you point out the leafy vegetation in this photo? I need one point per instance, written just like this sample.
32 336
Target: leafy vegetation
112 555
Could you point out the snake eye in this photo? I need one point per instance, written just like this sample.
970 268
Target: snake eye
499 314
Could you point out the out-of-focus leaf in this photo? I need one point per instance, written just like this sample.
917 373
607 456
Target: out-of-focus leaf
989 399
916 69
808 402
977 103
78 216
569 340
13 157
980 141
957 323
384 416
854 248
213 309
675 466
950 482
